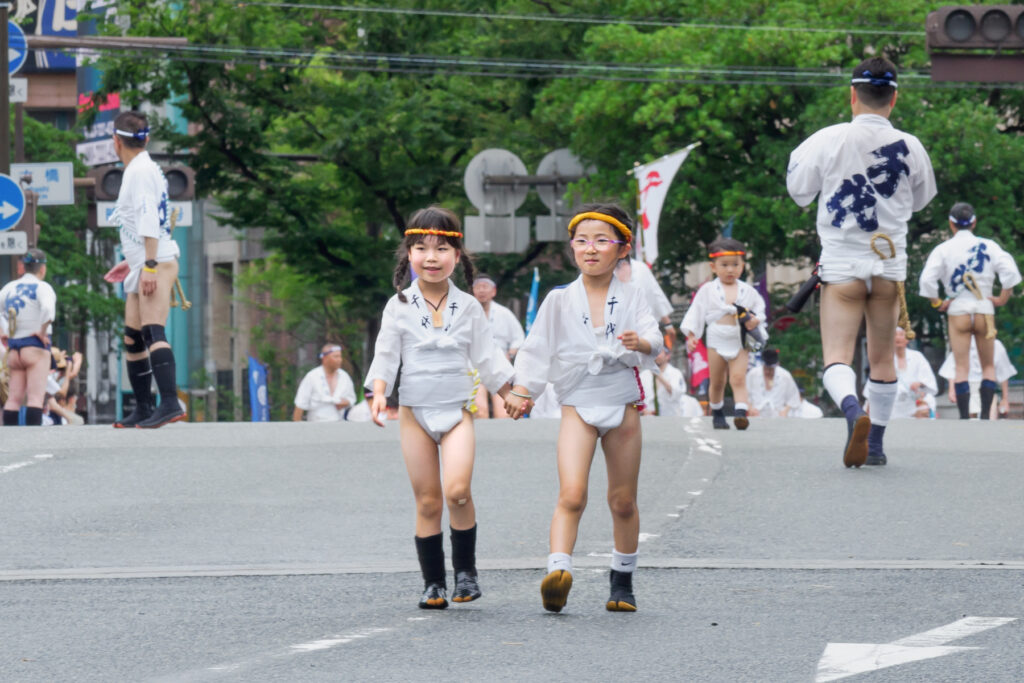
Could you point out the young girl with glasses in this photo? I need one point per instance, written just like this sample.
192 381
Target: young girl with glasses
589 340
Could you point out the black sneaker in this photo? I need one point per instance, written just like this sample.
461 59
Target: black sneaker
165 413
466 587
876 458
856 452
621 598
554 590
140 413
434 597
718 422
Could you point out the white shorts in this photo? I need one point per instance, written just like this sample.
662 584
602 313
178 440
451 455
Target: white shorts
971 305
724 339
838 269
602 418
131 283
438 421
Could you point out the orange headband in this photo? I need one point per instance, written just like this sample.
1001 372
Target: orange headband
727 253
433 231
610 220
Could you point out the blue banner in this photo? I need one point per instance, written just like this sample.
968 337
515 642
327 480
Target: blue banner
531 305
259 406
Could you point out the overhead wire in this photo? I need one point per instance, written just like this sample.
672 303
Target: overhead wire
574 19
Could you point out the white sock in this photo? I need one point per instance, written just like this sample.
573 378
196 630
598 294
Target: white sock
624 562
882 398
740 406
717 406
840 381
561 561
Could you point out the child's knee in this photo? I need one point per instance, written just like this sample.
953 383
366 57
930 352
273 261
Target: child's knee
429 506
458 496
572 498
622 504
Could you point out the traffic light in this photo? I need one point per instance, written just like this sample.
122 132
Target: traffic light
983 43
181 182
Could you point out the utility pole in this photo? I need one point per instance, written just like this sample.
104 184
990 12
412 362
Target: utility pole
5 92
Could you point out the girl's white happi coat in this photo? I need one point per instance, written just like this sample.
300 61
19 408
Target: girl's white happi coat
708 307
437 362
588 369
965 253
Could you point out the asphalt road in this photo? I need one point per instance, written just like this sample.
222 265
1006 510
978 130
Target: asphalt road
283 552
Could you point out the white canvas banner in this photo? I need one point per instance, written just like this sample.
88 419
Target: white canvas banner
653 181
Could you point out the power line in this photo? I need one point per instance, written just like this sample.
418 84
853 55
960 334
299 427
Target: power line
575 19
427 66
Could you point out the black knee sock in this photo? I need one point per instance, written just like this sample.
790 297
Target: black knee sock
162 362
963 399
33 417
140 376
987 391
11 418
430 551
464 549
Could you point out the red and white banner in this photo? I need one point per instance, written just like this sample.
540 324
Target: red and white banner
653 181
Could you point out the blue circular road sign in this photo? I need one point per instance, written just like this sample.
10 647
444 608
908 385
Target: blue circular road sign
17 48
12 202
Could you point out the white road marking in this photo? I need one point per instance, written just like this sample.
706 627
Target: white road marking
261 661
695 493
841 660
673 514
4 469
646 537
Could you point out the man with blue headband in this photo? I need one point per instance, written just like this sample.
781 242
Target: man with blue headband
869 178
149 271
967 267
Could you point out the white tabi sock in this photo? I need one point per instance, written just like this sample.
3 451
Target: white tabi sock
561 561
717 406
740 406
624 562
840 381
882 398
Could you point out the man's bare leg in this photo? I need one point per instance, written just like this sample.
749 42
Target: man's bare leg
842 310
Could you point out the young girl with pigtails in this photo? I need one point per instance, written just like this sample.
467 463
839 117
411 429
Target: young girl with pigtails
590 340
438 334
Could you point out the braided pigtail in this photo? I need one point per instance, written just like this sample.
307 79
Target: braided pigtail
468 270
401 275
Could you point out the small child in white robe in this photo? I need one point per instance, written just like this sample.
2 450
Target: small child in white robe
438 334
717 307
589 340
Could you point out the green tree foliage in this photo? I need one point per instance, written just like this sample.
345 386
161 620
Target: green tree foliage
362 117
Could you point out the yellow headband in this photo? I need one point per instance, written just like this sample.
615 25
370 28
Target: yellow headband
727 253
433 231
610 220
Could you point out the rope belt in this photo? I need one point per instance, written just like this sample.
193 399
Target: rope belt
185 303
5 371
990 320
904 321
177 289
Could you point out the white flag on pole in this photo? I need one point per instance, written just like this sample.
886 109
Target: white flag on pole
653 181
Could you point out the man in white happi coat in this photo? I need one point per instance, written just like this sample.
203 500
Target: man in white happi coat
508 334
1004 371
773 391
967 267
326 391
869 178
